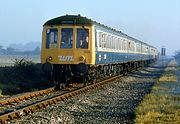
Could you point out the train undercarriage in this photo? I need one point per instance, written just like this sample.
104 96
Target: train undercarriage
62 75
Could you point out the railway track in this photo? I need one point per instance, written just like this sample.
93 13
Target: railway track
38 102
26 96
29 100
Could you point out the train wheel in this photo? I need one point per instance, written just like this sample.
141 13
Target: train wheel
125 70
136 66
118 69
94 80
56 86
143 64
84 81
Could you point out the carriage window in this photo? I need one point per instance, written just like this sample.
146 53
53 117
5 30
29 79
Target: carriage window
129 45
66 38
109 41
104 40
52 38
118 40
82 38
116 43
113 43
96 35
100 39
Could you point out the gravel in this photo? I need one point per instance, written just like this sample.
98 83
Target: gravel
20 104
112 103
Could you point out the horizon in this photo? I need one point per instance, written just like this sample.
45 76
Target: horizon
18 43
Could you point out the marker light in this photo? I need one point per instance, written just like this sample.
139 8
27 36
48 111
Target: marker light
50 58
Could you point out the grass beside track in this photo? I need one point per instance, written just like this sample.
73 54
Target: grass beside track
162 105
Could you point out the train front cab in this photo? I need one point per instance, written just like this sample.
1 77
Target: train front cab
69 49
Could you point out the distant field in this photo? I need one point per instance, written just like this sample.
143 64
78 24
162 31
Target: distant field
8 60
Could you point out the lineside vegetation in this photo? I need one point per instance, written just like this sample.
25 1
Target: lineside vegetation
22 77
162 105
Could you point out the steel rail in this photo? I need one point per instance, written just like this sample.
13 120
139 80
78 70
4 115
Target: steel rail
26 96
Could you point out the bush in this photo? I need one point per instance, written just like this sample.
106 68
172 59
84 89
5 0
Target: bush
25 69
23 76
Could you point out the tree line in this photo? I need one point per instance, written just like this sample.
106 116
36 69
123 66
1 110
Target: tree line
13 51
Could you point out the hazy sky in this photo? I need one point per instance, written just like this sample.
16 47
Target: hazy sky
156 22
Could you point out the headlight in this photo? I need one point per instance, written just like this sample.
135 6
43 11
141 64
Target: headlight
50 58
82 58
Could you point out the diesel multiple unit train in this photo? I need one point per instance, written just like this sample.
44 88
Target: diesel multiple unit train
79 48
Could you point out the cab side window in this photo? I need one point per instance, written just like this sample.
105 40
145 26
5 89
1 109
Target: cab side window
82 40
52 38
